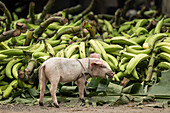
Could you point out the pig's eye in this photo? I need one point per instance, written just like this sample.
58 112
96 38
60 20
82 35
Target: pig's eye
102 66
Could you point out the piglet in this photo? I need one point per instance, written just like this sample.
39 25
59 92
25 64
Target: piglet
66 70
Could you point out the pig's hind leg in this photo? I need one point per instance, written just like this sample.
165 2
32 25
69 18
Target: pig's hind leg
54 84
42 89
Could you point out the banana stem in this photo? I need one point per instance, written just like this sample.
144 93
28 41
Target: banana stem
87 10
88 26
151 64
46 10
20 28
29 37
31 65
117 18
72 9
8 15
45 24
151 25
105 16
31 12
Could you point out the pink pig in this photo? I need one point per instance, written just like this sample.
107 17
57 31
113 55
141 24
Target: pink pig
66 70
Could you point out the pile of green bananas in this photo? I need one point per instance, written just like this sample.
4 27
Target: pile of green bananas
138 49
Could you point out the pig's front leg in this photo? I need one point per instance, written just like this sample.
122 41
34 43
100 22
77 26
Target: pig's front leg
81 86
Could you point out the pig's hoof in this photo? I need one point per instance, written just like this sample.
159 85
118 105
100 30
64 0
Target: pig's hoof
41 104
82 99
56 105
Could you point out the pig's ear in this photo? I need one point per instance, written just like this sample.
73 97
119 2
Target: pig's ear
96 63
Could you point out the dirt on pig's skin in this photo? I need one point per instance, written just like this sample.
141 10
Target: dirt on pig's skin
20 108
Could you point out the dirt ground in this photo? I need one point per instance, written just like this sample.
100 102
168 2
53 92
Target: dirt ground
20 108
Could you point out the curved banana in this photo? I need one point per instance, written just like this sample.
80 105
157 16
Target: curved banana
12 52
122 41
165 49
109 26
82 50
140 30
8 69
164 56
135 61
113 59
4 45
71 50
53 42
2 56
124 27
159 26
95 46
151 41
111 48
134 51
50 49
162 44
137 47
127 54
163 65
15 69
60 53
39 54
140 39
123 66
75 56
135 73
59 47
141 23
41 48
8 90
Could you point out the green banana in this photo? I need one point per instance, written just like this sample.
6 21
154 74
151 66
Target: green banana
162 44
113 59
2 56
123 66
135 61
82 51
103 52
39 54
109 26
151 41
71 50
8 69
127 54
159 26
135 74
164 56
50 49
141 23
4 45
95 46
13 52
15 69
122 41
140 39
75 56
59 47
2 74
134 51
140 30
36 46
41 48
53 42
121 74
8 90
163 65
165 49
124 27
60 53
137 47
111 48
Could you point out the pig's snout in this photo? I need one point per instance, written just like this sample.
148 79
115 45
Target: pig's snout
111 74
